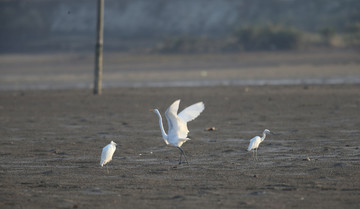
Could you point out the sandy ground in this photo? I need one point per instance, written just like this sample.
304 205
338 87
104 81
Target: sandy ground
51 142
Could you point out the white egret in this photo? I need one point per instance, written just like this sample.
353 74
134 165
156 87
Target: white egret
107 153
177 124
255 142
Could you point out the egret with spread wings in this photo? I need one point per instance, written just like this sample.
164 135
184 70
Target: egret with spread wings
177 124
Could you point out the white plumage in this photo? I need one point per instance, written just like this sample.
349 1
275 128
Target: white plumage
177 124
255 142
107 153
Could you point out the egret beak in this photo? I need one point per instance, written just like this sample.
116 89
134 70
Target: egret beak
151 110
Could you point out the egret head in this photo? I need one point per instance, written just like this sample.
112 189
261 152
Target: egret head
154 110
113 143
266 131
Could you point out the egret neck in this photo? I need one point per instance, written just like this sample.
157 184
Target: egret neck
163 133
263 136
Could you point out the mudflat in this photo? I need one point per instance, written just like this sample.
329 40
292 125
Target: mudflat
51 141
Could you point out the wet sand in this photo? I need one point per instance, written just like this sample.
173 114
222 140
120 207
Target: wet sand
51 142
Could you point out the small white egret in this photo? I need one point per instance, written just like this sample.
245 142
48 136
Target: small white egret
107 153
255 142
177 124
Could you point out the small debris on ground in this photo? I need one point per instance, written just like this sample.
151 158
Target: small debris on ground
306 159
210 129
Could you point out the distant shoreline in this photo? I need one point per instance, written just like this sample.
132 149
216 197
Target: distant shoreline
66 71
217 83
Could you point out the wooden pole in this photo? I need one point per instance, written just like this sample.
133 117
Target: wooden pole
99 48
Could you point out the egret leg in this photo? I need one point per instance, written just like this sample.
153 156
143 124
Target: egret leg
181 154
253 153
256 154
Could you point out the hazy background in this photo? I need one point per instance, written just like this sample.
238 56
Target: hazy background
66 25
50 43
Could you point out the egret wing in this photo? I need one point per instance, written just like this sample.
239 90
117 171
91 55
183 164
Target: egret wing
171 113
191 112
173 108
107 153
177 126
254 143
103 156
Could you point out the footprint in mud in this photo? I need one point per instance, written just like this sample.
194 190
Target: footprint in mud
228 150
313 169
257 193
93 190
49 172
57 152
178 197
340 164
283 187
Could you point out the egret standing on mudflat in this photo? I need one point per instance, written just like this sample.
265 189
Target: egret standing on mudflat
107 153
255 142
177 124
